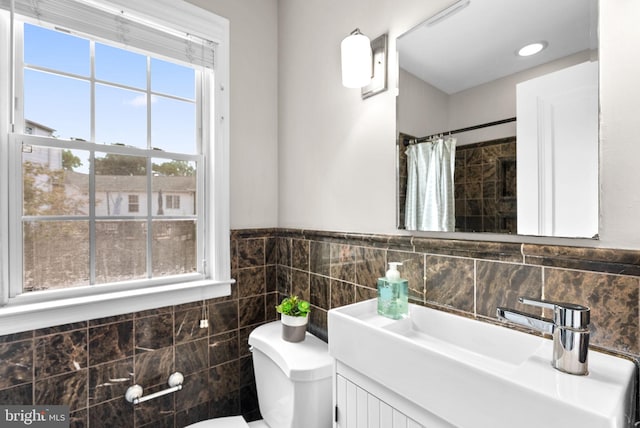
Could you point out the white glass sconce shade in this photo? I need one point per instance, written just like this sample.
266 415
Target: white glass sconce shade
356 60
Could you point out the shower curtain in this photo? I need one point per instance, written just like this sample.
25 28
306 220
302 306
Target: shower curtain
430 189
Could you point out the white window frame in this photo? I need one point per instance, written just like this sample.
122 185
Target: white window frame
48 308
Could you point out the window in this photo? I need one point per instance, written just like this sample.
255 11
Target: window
173 202
103 121
133 204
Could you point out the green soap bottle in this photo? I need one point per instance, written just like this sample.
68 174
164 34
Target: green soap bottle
393 294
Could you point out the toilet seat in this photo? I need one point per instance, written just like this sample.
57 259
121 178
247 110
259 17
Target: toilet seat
228 422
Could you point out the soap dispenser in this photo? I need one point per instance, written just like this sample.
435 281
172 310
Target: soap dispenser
393 294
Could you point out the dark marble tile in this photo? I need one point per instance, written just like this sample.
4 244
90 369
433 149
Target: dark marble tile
343 262
154 332
251 253
342 293
613 301
248 400
223 316
68 389
110 320
61 328
300 284
110 342
474 156
223 348
17 363
271 251
251 281
233 250
79 419
243 341
192 356
114 413
320 258
284 251
21 394
491 153
224 379
284 279
156 413
365 293
500 284
60 353
300 254
412 270
371 264
194 392
109 381
271 278
606 260
320 291
247 375
153 367
192 415
165 420
450 282
318 323
187 324
226 405
153 312
499 251
270 303
15 337
251 310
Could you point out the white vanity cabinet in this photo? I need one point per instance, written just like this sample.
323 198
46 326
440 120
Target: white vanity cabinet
361 402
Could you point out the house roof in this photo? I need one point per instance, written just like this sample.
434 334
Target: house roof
135 183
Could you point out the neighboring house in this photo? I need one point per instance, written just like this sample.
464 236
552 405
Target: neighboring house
118 195
115 195
41 155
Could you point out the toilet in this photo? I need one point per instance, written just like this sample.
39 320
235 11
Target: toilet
293 381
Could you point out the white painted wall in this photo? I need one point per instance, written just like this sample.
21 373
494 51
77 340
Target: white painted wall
336 152
254 109
422 109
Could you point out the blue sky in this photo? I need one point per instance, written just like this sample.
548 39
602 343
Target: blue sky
64 103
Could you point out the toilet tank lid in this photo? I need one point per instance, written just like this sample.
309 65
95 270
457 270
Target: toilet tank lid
302 361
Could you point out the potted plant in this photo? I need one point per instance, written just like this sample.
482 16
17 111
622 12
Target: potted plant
294 318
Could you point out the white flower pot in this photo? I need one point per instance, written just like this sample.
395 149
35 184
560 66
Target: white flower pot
294 328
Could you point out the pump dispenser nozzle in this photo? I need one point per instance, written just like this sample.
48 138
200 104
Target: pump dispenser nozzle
393 274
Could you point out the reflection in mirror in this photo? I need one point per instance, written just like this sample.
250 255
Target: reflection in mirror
521 131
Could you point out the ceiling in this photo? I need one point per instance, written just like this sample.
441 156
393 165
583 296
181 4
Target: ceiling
478 43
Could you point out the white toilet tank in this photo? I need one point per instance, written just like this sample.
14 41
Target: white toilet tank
293 380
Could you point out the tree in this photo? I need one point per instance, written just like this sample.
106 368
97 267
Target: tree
70 161
44 192
114 164
175 168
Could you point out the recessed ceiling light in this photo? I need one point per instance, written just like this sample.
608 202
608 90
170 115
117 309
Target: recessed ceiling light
532 49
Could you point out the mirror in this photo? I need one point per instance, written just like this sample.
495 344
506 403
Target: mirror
523 130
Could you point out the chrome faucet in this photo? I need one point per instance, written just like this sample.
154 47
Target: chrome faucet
569 328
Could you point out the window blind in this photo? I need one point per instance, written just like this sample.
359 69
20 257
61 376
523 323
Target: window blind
105 21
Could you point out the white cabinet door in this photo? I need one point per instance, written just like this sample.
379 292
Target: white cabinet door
357 408
557 153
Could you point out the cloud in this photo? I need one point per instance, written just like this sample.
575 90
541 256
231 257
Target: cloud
141 101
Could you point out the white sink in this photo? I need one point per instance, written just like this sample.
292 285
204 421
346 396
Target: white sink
474 374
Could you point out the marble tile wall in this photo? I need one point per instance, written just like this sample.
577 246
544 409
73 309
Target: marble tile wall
485 186
89 365
469 278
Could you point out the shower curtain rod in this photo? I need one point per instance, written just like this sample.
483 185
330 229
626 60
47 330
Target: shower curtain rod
408 141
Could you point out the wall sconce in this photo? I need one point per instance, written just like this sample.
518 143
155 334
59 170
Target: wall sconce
356 60
364 63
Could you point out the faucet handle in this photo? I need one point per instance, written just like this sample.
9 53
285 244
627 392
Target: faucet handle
568 315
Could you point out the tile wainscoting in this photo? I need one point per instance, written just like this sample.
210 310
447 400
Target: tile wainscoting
89 365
